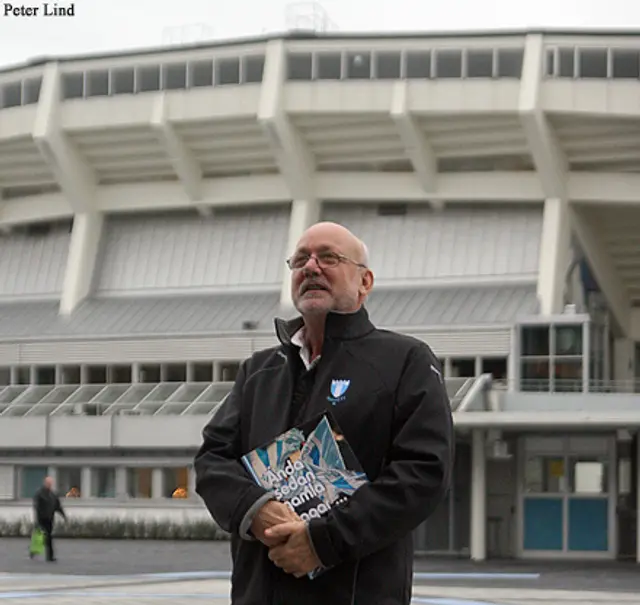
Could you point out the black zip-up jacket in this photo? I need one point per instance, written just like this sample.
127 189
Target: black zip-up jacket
395 415
46 504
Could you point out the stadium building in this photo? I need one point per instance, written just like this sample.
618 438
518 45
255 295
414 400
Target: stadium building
149 200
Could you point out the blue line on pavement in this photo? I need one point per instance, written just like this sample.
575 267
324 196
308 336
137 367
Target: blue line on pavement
475 576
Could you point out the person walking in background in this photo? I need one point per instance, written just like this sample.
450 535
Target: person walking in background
46 504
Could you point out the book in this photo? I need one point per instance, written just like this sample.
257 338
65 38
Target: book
311 468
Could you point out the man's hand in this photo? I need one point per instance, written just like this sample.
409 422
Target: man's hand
295 555
271 514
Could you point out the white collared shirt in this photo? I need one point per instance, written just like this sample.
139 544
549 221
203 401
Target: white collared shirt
298 340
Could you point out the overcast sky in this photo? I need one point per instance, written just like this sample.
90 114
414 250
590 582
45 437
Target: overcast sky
101 25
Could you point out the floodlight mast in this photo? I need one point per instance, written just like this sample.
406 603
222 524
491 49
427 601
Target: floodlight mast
308 16
187 33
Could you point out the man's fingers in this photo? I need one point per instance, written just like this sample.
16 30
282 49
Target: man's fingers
281 531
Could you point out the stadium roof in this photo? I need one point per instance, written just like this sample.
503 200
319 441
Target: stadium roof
312 35
226 313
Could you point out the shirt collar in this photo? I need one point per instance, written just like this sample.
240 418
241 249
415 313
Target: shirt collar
298 339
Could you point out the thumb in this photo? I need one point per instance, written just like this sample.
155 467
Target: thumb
281 531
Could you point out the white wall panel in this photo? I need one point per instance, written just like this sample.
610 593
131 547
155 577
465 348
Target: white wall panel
234 247
33 264
455 243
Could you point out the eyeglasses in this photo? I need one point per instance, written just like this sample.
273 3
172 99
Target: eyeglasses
324 260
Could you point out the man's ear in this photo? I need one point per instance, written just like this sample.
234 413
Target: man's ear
366 284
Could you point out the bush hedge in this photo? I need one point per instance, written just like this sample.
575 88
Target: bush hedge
124 529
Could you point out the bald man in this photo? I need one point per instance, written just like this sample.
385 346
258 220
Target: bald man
395 415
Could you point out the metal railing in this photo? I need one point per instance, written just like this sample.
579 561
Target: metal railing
559 386
139 399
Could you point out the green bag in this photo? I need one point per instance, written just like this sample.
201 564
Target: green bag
37 542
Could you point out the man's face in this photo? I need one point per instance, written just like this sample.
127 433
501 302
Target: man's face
331 279
48 483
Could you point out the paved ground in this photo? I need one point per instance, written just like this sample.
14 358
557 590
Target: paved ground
145 573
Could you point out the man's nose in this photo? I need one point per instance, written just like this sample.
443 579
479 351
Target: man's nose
312 267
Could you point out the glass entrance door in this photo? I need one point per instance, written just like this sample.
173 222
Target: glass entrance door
566 502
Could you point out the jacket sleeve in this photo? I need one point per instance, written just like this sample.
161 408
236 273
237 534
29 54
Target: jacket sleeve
416 476
59 508
228 491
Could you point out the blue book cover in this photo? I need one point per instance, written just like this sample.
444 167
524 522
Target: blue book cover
311 468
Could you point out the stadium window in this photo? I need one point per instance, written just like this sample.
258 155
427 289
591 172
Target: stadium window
535 341
174 77
463 368
103 482
229 371
328 66
5 377
592 63
551 62
388 65
299 66
568 341
534 375
510 62
174 372
496 366
148 79
252 69
31 90
98 83
150 373
96 375
31 479
11 95
479 63
626 64
418 65
566 67
139 482
449 64
203 372
359 66
228 71
119 374
122 81
544 475
70 375
175 483
45 375
73 86
23 375
69 481
200 74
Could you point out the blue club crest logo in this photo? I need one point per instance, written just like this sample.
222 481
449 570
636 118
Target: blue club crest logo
338 389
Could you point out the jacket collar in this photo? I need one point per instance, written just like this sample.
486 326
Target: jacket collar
338 326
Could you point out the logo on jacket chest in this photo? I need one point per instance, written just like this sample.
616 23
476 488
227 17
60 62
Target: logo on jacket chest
338 390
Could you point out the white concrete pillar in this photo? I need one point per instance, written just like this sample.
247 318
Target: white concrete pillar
638 501
478 366
555 256
85 482
478 541
191 487
81 262
121 482
304 213
623 364
157 483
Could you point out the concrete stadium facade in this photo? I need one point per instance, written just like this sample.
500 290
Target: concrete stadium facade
149 200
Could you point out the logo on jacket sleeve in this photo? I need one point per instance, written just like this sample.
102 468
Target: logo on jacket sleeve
338 389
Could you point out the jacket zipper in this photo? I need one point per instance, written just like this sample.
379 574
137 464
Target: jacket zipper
355 580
